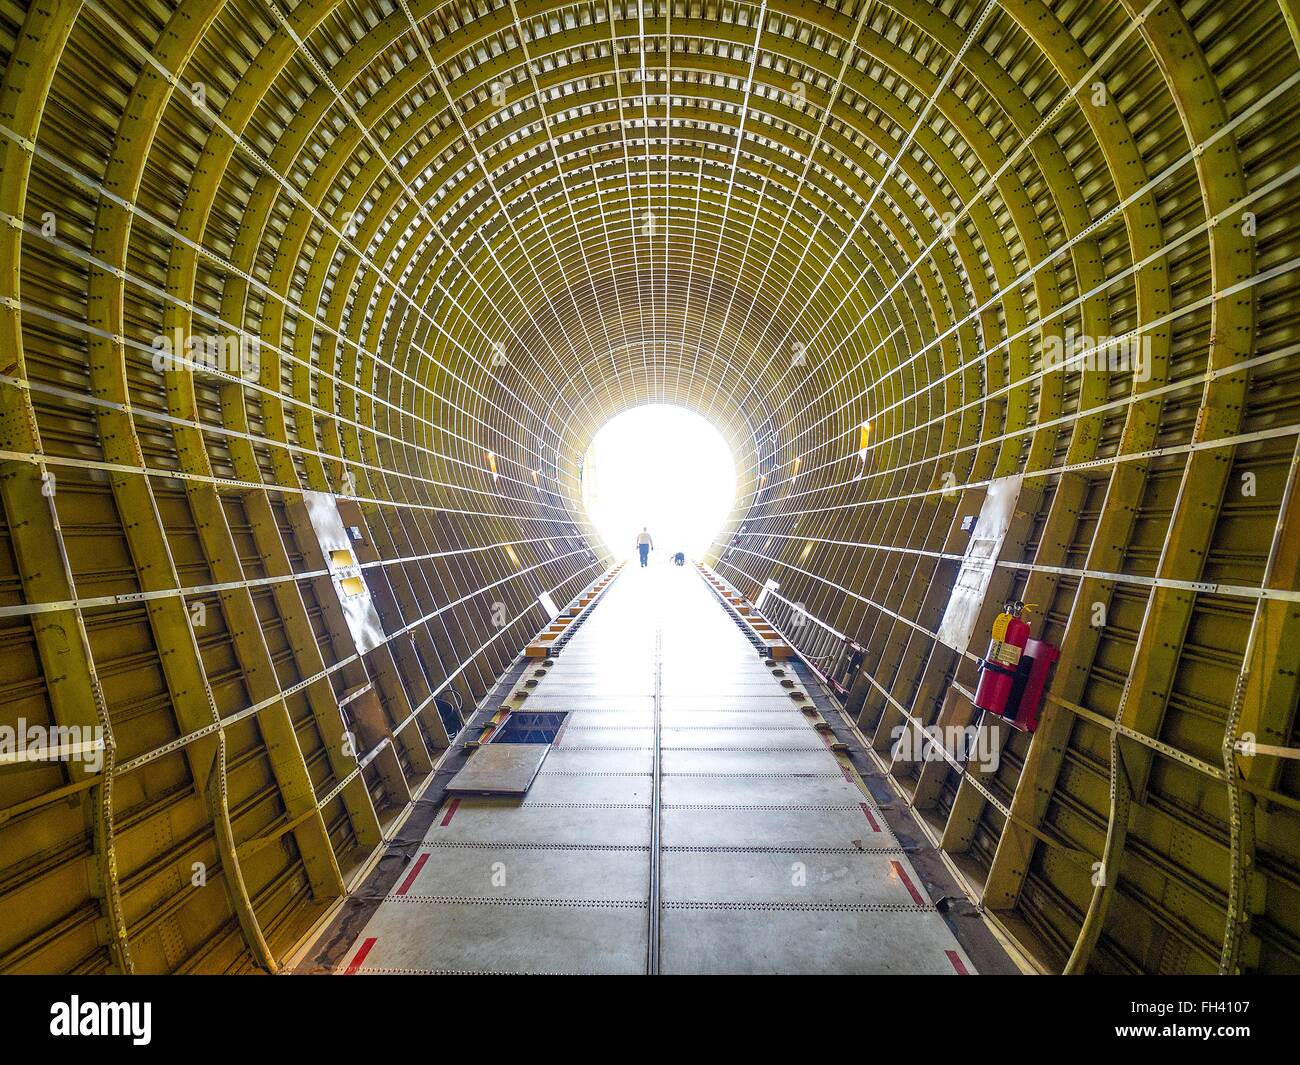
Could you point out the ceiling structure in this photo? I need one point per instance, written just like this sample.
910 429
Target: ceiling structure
275 273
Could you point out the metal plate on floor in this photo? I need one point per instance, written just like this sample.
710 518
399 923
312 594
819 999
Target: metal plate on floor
500 769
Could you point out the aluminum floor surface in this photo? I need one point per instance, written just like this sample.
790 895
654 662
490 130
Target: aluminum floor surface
689 819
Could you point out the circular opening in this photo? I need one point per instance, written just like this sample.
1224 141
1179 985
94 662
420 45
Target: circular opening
664 469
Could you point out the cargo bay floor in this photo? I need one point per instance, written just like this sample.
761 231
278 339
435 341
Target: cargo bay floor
691 817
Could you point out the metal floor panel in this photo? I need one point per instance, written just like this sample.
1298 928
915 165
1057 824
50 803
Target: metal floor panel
547 824
732 718
501 769
792 878
632 740
798 739
562 761
554 787
776 827
541 700
805 942
584 719
597 668
611 728
735 660
682 703
688 818
750 761
614 693
411 935
532 873
732 691
764 790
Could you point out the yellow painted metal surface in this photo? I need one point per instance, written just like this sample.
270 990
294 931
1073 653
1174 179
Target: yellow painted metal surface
408 257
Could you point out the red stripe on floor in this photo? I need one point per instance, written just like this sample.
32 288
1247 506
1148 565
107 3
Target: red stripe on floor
867 810
451 810
355 964
901 873
957 963
410 877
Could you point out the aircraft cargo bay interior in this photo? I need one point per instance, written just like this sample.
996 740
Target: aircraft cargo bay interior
651 487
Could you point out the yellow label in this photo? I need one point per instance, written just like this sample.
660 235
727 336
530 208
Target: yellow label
1005 654
1000 627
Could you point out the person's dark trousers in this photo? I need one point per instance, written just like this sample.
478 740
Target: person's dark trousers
645 552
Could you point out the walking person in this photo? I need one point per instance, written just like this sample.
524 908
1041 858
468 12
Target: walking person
644 546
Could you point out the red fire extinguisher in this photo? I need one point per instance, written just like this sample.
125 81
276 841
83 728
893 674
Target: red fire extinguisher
1000 662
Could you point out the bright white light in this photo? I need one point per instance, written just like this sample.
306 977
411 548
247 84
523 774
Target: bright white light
663 468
